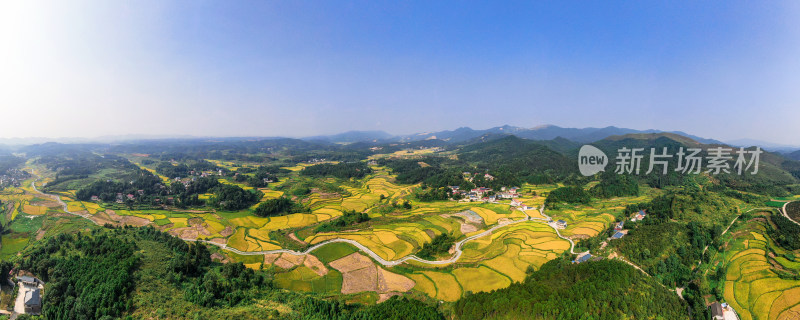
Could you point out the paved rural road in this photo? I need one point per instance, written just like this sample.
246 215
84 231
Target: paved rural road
361 247
783 210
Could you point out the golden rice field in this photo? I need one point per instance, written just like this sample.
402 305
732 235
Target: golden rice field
497 212
385 243
752 287
301 166
241 185
403 153
439 285
495 261
247 240
270 194
34 210
583 220
526 244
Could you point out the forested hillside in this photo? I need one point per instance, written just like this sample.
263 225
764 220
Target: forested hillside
561 290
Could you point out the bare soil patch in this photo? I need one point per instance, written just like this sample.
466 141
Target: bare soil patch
294 237
388 281
104 217
314 264
470 216
351 262
227 231
360 274
185 233
468 227
364 279
270 258
385 296
127 220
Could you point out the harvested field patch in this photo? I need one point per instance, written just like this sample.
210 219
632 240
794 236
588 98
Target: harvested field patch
351 262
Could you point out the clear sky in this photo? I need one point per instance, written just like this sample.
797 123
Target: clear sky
721 69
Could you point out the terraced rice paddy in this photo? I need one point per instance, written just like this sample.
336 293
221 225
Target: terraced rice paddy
752 287
487 263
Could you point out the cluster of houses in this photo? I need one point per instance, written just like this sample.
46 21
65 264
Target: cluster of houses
619 231
469 176
582 257
12 178
722 311
639 216
487 195
29 299
121 197
205 173
201 174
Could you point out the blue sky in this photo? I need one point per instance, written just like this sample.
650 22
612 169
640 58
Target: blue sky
725 70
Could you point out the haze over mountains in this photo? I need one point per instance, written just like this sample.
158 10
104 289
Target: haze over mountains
462 134
545 132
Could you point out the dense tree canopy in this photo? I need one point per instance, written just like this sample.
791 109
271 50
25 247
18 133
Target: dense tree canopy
277 207
232 197
91 278
342 170
590 290
573 194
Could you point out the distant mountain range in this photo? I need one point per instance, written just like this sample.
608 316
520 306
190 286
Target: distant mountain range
776 147
463 134
460 135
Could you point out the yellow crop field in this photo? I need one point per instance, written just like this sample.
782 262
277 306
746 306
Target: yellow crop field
92 207
582 230
301 220
788 299
145 216
254 266
326 213
752 287
259 234
214 226
447 288
75 206
480 279
270 194
179 222
489 217
237 240
249 221
554 245
368 239
764 302
34 210
423 284
509 264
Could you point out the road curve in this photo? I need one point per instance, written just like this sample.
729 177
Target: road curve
361 247
785 214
